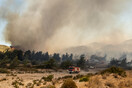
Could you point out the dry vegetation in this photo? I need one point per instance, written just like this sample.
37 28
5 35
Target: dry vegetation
4 48
65 80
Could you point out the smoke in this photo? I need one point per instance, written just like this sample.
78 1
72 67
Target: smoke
51 25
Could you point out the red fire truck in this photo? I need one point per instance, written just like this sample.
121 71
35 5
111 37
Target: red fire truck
73 69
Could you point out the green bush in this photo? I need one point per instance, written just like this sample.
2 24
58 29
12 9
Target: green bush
84 79
78 76
69 83
48 78
16 84
115 70
66 64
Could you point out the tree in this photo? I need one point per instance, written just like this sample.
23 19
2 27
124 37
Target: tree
71 56
66 64
14 63
67 57
114 62
81 62
4 62
124 63
50 64
1 55
20 55
26 61
46 56
57 57
28 54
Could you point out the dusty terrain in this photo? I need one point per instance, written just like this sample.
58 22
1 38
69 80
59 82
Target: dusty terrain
29 77
96 81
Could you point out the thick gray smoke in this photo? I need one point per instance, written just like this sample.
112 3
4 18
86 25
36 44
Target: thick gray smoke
50 25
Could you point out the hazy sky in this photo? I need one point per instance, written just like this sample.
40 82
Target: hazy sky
123 21
2 26
3 22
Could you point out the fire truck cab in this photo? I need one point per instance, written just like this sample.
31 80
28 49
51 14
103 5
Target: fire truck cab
73 69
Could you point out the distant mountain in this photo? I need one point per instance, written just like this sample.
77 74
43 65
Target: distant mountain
112 50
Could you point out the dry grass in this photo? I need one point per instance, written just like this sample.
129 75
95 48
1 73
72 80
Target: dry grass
125 84
4 48
96 81
110 81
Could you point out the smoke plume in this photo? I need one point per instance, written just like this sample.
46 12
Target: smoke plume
51 25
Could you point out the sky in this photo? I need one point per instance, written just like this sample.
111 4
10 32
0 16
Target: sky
4 22
2 27
84 35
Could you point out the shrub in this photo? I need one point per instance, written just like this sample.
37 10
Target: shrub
67 76
115 75
84 79
4 79
34 81
38 84
69 83
29 85
17 83
50 64
77 76
44 83
59 78
3 70
48 78
109 84
115 70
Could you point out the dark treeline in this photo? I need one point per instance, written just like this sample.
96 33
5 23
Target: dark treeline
121 62
18 58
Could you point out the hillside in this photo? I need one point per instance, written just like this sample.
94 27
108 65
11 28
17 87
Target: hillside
3 48
112 50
